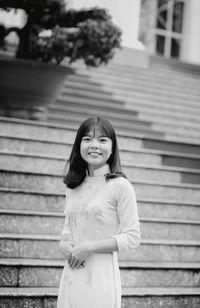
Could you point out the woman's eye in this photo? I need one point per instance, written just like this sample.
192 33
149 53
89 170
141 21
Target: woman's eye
86 139
103 140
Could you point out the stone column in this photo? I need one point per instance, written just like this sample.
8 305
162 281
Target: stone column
191 43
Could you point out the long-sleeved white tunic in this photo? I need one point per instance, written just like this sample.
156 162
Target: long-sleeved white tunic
96 210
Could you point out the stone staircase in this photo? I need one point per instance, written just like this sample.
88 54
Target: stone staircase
163 165
161 99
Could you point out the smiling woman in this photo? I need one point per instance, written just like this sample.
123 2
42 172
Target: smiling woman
101 219
93 130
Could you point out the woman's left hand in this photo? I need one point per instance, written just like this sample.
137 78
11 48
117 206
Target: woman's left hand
79 253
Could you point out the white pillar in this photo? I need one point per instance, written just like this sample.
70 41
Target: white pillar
191 44
125 14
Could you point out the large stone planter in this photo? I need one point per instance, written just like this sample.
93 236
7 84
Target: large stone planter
28 87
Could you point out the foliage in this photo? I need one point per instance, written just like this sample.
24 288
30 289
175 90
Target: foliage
52 33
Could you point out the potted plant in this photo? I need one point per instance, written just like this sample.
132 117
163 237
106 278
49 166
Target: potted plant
50 35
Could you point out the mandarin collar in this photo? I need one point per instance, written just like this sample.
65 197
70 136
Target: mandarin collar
100 171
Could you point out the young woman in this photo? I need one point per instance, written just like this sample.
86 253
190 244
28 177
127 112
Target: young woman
101 219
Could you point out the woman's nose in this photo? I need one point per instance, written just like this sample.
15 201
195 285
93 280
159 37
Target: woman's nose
94 144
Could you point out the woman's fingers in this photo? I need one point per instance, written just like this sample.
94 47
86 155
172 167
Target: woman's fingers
75 263
78 265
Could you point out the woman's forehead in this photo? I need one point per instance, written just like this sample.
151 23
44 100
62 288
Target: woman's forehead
96 131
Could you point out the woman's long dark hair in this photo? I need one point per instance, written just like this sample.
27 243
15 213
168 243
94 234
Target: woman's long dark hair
77 167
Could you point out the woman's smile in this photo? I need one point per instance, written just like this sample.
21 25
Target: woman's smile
95 154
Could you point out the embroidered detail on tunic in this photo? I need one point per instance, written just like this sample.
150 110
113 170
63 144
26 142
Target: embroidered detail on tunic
97 212
72 220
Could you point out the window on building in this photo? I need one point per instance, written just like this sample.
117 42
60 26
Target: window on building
168 32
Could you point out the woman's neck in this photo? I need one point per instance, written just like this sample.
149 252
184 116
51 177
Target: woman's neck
101 171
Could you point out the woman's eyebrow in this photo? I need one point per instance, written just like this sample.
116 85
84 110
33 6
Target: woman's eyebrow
105 136
87 135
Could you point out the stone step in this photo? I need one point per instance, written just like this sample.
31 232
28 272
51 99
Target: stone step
62 151
180 116
25 144
125 129
47 164
156 100
97 106
156 93
156 103
162 99
143 74
64 133
55 132
175 144
117 118
191 137
30 200
160 64
47 274
13 221
111 82
172 191
176 130
146 189
46 247
131 297
151 73
100 96
167 124
93 87
165 84
62 116
132 105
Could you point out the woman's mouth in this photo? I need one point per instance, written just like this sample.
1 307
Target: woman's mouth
94 154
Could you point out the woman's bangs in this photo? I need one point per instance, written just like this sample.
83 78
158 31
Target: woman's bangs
100 129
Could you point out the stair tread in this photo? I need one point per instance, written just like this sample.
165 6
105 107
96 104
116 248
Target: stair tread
99 88
43 237
109 112
144 74
151 99
60 214
84 85
133 181
175 140
122 263
65 115
124 164
120 133
144 200
126 291
122 148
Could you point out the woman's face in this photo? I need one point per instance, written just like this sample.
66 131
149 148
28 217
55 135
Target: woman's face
95 149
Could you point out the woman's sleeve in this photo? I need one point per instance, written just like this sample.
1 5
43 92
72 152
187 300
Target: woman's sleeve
129 236
66 232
